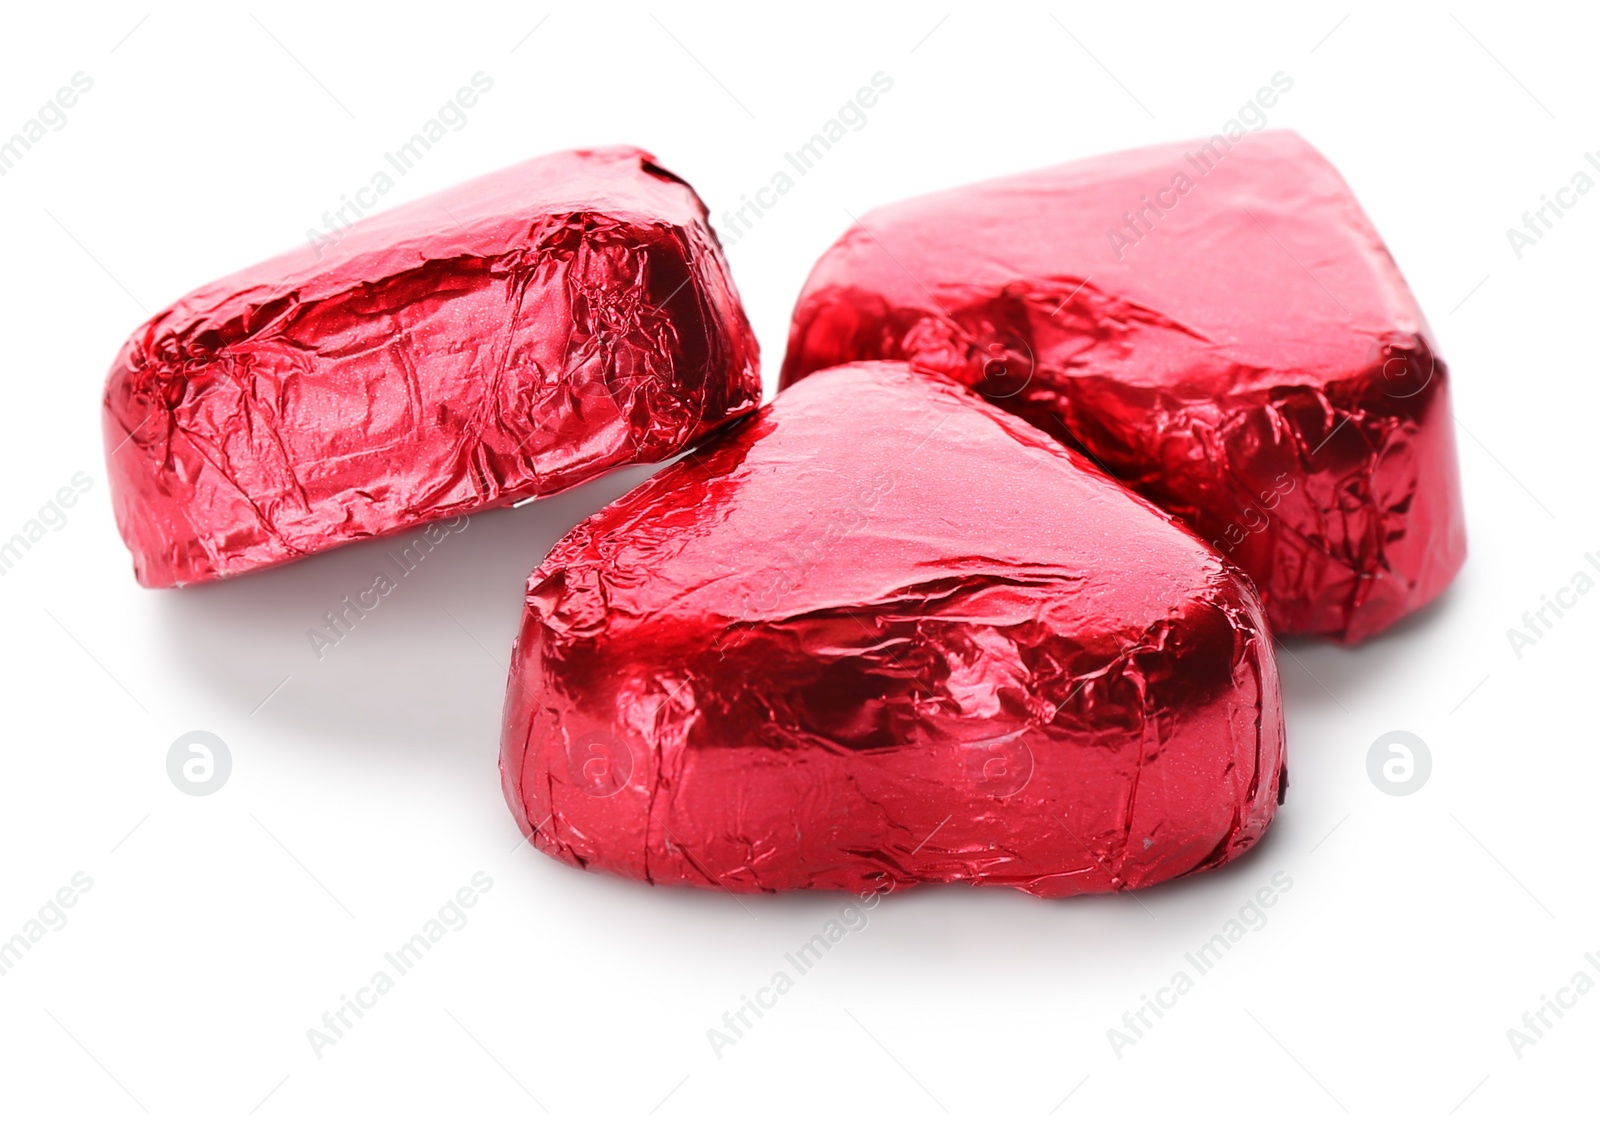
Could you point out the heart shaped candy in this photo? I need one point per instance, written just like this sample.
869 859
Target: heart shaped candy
884 632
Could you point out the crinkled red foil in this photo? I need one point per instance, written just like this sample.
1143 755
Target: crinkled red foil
505 339
1217 324
886 632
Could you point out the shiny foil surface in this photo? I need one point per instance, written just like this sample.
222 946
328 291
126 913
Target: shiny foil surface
1217 324
505 339
886 633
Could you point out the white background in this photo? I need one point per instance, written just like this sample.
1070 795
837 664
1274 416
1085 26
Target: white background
365 790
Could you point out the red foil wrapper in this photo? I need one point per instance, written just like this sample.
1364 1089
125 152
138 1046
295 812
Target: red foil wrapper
505 339
1216 324
886 632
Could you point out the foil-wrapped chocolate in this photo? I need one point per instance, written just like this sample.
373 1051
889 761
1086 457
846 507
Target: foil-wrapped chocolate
1216 324
505 339
885 632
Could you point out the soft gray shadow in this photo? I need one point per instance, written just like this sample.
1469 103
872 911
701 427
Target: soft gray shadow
425 669
1318 673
